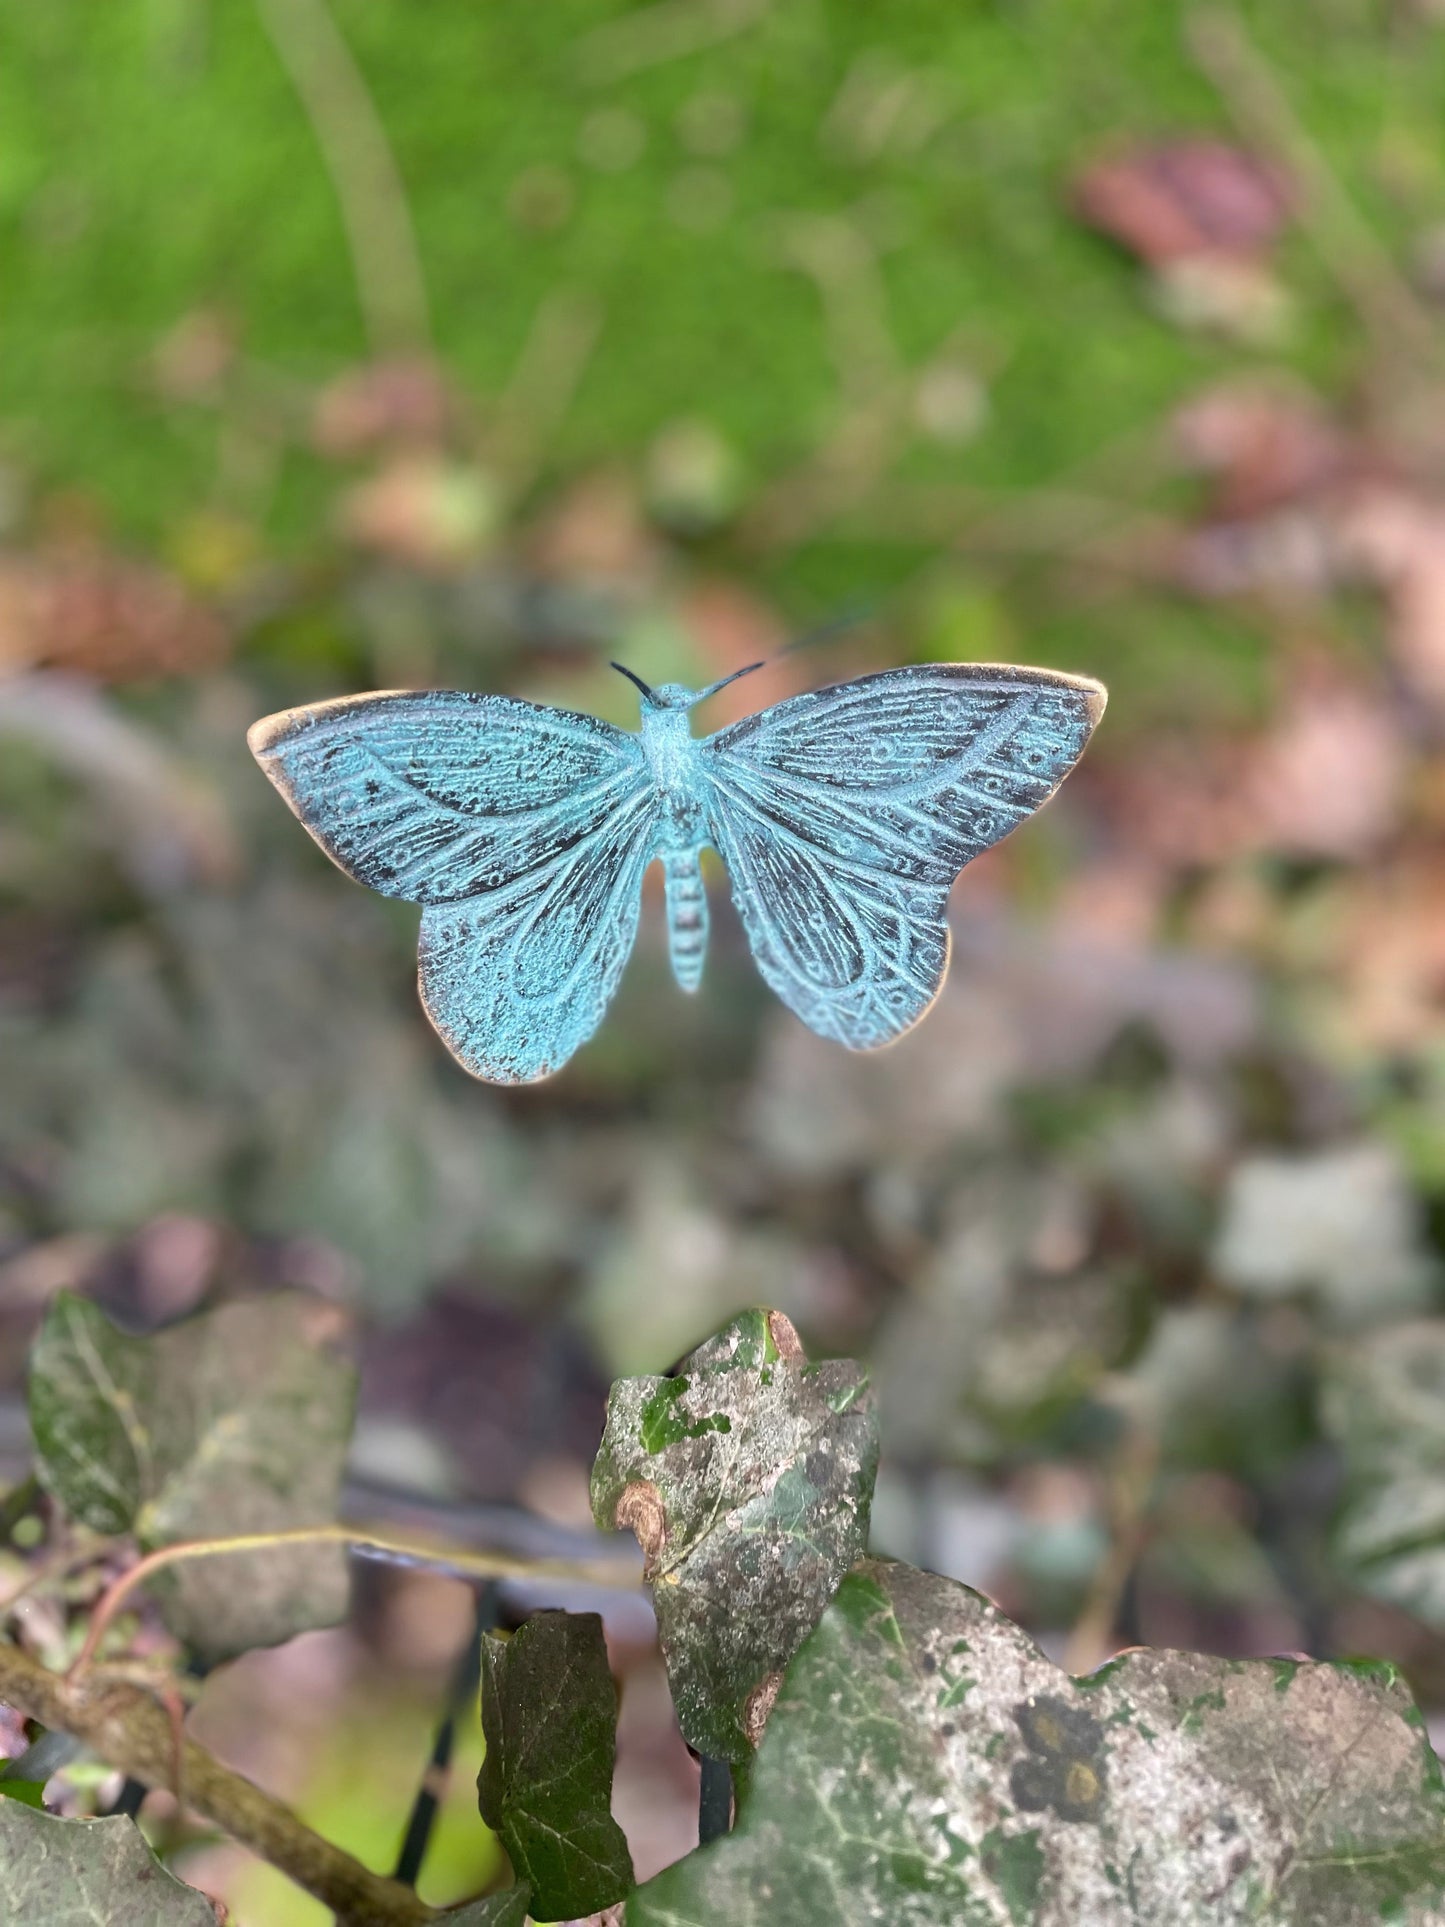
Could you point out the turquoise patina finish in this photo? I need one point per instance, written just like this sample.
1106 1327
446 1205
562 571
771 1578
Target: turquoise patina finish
843 817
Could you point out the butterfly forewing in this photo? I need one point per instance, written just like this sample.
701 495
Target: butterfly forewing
844 816
523 831
436 795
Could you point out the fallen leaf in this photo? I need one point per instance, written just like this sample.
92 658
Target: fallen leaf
383 404
1397 539
102 615
1261 444
1328 779
423 510
1175 199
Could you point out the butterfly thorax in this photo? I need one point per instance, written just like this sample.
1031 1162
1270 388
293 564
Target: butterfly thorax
671 751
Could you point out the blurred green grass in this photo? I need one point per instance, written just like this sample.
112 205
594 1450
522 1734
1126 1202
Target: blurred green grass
154 157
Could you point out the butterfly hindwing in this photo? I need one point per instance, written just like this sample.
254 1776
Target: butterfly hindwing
845 814
435 795
516 979
524 833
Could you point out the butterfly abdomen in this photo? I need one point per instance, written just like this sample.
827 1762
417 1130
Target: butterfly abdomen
686 916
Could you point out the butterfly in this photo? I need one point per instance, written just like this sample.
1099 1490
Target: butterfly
842 815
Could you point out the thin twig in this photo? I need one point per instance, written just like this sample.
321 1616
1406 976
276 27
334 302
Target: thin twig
125 1727
1343 238
670 30
412 1552
466 1678
1131 1490
363 170
59 1564
535 401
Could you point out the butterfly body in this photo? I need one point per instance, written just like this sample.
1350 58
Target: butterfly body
683 827
842 816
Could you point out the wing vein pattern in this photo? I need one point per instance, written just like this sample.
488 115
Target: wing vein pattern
523 832
844 815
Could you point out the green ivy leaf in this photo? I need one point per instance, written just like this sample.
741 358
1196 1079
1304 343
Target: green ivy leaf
88 1873
231 1422
927 1766
507 1909
30 1793
747 1478
1383 1401
549 1717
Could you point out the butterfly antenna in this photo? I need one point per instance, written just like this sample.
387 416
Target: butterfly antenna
713 688
634 679
848 618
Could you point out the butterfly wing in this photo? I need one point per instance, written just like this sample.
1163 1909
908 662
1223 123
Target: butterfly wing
434 795
516 979
524 833
845 814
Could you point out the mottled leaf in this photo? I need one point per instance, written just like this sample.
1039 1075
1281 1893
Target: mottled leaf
236 1421
88 1873
1383 1401
926 1766
748 1478
506 1909
549 1716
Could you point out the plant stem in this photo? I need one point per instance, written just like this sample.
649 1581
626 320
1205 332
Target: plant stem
413 1552
353 140
466 1679
714 1801
131 1797
127 1729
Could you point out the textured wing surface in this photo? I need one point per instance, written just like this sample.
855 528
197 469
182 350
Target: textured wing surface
435 795
844 816
516 979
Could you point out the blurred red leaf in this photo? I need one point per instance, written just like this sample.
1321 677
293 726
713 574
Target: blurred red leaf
1261 443
102 615
191 362
597 530
1398 540
422 510
382 404
1173 199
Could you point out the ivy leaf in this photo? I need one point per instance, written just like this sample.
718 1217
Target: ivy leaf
1383 1401
747 1478
235 1421
549 1718
506 1909
927 1766
30 1793
88 1873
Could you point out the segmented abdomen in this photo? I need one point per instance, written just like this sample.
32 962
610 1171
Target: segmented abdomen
686 916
